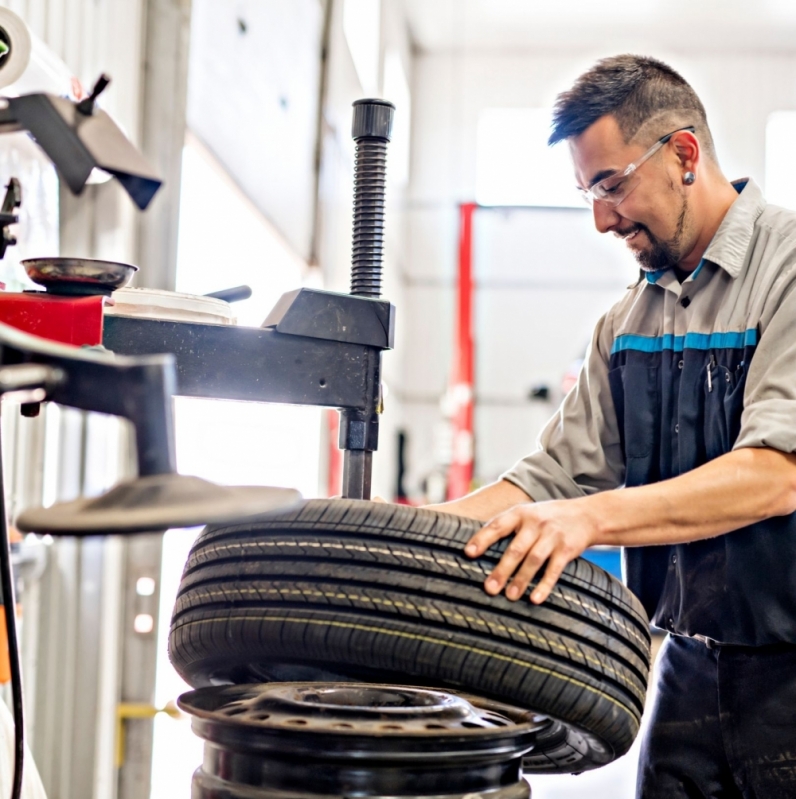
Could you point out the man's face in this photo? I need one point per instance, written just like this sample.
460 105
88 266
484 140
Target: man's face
654 219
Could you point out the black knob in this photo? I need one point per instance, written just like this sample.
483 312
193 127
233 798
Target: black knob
235 294
372 120
86 105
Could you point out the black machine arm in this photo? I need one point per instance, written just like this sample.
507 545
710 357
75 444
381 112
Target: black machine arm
138 389
315 347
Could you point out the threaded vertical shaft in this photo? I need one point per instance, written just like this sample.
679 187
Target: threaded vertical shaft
370 187
371 129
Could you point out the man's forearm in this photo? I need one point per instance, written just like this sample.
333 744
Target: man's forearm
486 502
733 491
740 488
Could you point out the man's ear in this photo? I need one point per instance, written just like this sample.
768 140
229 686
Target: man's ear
688 150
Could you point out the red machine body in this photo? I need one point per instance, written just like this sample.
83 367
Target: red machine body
69 320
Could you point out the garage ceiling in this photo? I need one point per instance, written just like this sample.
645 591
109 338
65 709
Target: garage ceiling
501 25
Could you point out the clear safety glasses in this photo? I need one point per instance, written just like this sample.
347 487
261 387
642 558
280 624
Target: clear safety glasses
615 188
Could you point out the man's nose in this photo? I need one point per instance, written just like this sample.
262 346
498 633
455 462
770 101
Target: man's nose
605 217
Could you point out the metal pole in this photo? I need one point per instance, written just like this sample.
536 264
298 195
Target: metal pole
371 130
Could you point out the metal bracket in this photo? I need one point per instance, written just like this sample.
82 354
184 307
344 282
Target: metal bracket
334 317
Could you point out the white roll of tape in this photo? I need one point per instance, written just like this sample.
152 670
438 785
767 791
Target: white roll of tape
15 42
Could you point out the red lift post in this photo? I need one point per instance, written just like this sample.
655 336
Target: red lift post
462 387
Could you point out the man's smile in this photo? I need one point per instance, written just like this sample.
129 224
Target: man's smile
628 235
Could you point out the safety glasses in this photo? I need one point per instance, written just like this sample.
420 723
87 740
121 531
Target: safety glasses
615 188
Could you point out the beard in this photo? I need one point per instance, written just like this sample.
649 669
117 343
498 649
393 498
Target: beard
662 253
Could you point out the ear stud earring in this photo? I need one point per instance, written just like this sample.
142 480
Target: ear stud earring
689 178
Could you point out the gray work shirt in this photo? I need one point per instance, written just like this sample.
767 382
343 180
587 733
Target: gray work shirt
676 375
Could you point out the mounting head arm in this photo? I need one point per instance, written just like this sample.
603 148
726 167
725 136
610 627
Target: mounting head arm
79 137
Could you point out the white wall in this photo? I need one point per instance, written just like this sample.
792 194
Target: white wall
253 101
545 276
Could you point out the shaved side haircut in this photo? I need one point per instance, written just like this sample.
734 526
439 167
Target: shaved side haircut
646 97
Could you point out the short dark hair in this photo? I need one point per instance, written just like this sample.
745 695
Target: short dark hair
635 90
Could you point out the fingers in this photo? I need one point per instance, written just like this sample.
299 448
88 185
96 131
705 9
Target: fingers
501 526
555 567
533 544
522 550
536 555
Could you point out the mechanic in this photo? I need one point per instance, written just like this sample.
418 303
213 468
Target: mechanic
677 441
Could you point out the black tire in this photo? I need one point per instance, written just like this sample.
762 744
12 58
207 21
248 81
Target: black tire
346 589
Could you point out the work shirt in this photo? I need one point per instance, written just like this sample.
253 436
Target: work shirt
676 375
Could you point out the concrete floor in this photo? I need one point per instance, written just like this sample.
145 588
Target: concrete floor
614 781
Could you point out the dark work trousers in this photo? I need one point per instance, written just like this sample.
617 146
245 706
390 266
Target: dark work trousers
722 723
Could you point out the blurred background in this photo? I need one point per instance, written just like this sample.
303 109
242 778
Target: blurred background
492 261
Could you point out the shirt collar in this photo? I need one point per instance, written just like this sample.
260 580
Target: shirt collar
731 242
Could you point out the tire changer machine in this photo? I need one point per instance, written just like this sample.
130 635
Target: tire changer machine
314 348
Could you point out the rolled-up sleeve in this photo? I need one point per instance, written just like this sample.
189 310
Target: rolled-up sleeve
578 452
769 414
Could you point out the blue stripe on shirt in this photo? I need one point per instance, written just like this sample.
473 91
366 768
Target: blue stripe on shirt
691 341
696 272
654 277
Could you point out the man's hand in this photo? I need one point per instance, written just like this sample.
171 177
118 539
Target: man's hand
556 531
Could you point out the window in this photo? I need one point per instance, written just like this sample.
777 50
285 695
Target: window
780 186
515 166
